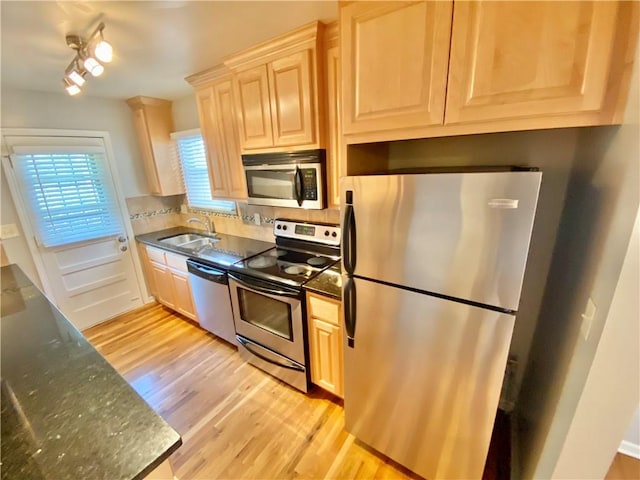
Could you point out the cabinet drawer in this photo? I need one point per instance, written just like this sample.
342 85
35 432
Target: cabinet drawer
324 309
156 255
177 262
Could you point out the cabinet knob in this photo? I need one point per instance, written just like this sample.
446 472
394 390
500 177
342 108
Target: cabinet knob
122 239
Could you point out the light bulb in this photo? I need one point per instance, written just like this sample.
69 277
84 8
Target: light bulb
72 88
93 66
103 51
76 77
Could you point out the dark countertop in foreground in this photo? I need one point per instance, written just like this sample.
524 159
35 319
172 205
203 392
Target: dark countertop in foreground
66 413
328 283
227 250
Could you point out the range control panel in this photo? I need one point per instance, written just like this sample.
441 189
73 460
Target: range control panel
327 234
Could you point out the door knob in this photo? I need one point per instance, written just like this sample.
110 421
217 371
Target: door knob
122 239
123 248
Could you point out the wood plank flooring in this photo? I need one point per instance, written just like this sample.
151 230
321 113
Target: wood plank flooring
235 420
624 468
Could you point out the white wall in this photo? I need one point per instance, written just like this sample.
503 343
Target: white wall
185 113
597 221
613 383
28 109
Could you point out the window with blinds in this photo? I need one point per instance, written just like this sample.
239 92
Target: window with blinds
68 192
193 158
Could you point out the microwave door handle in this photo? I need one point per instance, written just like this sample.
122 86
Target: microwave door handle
298 185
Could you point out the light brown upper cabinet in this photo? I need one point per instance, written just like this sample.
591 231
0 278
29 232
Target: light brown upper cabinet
506 66
216 109
277 92
394 64
530 60
335 164
153 124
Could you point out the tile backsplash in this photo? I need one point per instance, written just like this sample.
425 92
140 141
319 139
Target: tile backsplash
150 213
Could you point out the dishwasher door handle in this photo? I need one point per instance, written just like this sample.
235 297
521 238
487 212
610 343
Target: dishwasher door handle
207 272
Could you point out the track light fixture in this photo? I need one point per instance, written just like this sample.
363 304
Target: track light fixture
91 53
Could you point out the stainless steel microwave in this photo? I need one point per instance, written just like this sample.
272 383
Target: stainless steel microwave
288 179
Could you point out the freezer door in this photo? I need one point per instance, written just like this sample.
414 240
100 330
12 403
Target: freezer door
464 235
423 378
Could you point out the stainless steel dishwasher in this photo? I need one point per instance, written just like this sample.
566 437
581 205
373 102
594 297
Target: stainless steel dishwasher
210 289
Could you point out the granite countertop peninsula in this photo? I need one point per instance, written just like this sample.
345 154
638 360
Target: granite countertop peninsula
226 250
328 282
66 413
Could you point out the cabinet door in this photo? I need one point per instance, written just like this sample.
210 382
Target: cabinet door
183 301
146 152
163 283
207 113
291 90
251 92
514 60
228 139
394 64
334 150
326 355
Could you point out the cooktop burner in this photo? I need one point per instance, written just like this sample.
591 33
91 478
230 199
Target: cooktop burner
318 261
261 262
295 259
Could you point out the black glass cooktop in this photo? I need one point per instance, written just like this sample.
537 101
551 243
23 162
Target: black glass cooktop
284 265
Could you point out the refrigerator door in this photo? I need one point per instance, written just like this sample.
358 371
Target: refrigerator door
423 378
463 235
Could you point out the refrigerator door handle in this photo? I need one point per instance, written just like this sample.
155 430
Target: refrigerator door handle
350 310
349 235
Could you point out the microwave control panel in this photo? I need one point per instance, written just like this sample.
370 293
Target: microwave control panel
309 183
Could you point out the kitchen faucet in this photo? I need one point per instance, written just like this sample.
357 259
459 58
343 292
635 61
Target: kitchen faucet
206 222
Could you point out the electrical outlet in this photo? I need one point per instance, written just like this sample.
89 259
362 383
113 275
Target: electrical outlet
587 318
256 218
183 208
9 230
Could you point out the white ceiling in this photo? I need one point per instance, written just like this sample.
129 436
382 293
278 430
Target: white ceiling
156 43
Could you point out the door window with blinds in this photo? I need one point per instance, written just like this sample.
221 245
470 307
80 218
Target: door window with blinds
193 159
67 188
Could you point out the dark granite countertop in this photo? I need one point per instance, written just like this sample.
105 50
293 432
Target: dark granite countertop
227 250
328 283
66 413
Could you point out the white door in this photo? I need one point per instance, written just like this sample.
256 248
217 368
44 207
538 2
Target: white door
64 190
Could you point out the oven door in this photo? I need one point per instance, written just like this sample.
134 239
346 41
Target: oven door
287 185
269 315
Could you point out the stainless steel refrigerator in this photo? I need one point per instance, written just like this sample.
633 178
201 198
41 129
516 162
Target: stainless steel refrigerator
432 271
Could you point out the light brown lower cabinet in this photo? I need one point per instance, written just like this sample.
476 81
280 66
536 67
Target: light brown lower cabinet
170 280
325 342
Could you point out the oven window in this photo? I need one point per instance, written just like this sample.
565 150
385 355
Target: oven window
264 312
276 184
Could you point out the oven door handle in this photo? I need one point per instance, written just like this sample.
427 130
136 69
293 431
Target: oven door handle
263 289
246 344
299 186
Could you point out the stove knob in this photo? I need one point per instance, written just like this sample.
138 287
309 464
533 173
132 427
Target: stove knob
334 234
278 226
284 227
326 233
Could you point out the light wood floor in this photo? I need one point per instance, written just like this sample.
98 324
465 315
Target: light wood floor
235 420
238 422
624 468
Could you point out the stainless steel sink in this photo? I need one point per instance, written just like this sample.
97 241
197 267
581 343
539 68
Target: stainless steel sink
190 241
199 243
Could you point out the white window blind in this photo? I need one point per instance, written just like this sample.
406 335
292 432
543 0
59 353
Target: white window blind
68 192
193 158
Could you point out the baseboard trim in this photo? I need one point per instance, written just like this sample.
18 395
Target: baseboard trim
631 449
